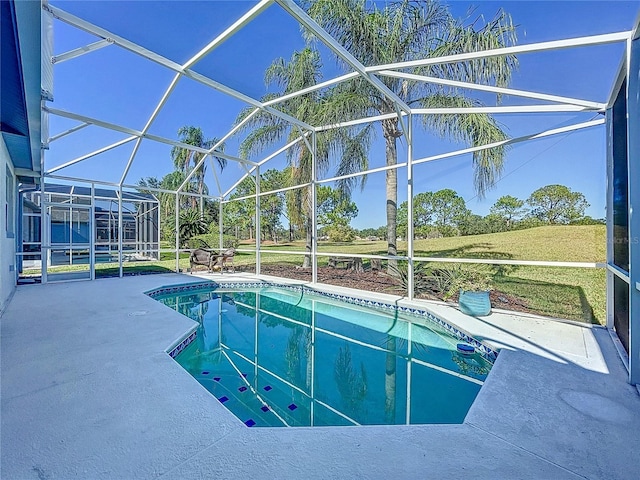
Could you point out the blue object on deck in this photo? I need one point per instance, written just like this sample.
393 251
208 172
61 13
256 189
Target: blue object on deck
476 304
465 349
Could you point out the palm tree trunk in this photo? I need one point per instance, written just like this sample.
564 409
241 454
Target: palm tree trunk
390 381
307 256
390 132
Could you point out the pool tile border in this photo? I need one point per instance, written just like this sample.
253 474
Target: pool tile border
485 351
183 344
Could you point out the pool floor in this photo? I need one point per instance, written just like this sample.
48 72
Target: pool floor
277 357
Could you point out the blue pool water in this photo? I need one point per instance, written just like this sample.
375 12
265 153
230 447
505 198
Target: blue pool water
281 357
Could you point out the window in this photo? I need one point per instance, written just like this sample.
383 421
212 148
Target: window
8 209
620 182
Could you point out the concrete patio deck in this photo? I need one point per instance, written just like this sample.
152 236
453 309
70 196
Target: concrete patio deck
87 391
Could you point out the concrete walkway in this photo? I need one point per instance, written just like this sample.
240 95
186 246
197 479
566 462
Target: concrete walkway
87 391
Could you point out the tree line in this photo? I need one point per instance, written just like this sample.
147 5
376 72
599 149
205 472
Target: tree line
444 213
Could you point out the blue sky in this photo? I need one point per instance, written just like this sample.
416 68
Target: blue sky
120 87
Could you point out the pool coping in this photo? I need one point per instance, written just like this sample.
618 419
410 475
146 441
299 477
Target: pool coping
180 344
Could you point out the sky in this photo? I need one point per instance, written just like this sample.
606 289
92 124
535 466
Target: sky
120 87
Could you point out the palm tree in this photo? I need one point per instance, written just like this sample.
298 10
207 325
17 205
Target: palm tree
349 146
405 31
408 30
185 159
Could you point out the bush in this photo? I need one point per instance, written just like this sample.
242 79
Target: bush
449 280
530 222
587 220
421 276
209 240
340 233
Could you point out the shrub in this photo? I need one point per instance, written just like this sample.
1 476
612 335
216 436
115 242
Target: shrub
529 222
340 233
449 280
209 240
421 276
443 281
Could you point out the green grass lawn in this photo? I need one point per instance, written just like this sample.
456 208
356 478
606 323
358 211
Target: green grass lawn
573 293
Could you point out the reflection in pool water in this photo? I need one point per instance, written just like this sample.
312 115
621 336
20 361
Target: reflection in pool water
280 357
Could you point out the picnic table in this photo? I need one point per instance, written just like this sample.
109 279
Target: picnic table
349 263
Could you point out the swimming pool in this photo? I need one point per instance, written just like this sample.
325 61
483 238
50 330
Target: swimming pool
283 356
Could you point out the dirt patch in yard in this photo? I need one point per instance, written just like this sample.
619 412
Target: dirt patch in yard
381 282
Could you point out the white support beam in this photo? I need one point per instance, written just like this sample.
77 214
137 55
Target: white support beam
359 121
504 109
154 115
156 138
233 158
204 157
204 151
104 34
92 121
243 163
285 189
215 175
237 25
281 150
83 180
532 47
154 57
492 89
270 192
239 181
262 162
511 141
299 14
306 140
67 132
314 210
395 166
304 91
81 51
403 125
258 219
220 142
249 173
92 154
240 96
25 172
410 224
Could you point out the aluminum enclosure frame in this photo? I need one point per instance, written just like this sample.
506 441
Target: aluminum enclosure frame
405 115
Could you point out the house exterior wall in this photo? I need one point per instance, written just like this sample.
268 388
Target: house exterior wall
7 226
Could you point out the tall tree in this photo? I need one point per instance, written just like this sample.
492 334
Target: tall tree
184 159
334 208
449 208
272 206
408 30
347 147
557 204
508 208
241 213
443 211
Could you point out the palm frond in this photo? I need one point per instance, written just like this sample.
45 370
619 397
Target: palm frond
474 129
